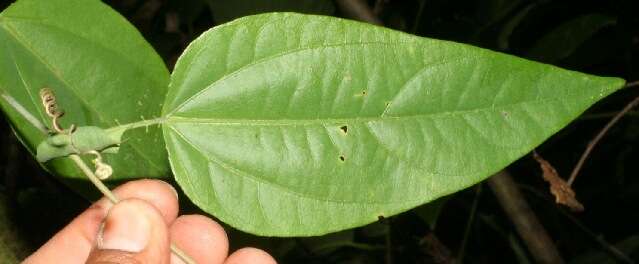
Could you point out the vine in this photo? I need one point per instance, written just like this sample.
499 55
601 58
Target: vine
102 169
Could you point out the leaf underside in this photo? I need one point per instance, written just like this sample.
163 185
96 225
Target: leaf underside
101 69
294 125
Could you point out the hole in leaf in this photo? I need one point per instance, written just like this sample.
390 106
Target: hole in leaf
344 129
342 158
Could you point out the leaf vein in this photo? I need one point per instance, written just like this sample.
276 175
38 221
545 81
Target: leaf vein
266 59
246 175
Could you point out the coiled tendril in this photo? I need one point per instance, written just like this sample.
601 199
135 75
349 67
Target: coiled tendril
52 110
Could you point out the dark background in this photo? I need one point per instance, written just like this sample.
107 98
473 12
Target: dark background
598 37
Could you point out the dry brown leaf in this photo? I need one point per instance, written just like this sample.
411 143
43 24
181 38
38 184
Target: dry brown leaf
558 187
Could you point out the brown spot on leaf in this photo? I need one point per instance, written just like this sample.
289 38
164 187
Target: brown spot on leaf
344 129
558 187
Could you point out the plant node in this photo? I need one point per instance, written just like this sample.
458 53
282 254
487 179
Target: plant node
102 170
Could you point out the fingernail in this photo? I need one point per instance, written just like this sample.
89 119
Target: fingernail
126 228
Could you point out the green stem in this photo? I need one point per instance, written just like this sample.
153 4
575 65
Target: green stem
181 254
107 193
94 179
138 124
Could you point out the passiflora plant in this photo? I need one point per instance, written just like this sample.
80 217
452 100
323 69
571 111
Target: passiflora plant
278 124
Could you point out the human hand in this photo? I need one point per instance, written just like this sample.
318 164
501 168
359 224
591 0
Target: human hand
139 229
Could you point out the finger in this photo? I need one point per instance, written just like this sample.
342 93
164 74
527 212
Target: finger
158 193
134 232
74 242
201 238
250 255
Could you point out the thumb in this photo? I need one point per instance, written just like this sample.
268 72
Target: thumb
133 232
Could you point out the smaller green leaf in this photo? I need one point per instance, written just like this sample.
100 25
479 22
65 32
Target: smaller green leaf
493 11
101 69
503 40
566 38
224 11
82 140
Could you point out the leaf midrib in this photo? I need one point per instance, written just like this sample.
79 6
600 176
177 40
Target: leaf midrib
340 121
226 166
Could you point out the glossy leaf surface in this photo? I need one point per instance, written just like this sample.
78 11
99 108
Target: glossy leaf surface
293 125
101 69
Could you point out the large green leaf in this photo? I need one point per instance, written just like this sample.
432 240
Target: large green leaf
102 70
292 125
